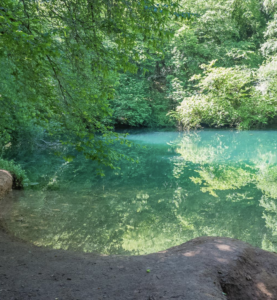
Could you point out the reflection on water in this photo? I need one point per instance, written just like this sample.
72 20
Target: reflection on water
210 182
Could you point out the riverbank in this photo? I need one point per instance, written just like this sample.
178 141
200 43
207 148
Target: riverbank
203 268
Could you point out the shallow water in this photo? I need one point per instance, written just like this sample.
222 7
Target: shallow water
186 185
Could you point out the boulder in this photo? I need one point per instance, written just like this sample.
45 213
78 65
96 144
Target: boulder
6 182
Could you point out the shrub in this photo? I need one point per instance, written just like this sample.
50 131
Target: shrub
226 97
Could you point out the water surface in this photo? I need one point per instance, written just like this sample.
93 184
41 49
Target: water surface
186 185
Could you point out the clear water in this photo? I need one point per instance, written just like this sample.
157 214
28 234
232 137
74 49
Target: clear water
186 185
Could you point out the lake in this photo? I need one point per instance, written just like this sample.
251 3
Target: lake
185 185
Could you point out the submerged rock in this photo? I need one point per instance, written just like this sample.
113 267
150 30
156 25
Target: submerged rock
6 182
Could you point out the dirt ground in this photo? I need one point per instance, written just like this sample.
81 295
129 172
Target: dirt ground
201 269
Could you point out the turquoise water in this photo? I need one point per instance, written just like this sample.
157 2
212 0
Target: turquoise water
186 185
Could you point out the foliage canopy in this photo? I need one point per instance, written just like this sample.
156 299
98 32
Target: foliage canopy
60 60
75 69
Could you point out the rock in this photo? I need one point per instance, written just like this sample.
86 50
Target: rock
6 182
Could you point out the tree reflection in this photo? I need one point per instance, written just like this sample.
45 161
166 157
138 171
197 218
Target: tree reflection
219 183
223 166
222 177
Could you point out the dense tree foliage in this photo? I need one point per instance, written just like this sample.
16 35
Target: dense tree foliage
60 60
236 88
74 70
218 69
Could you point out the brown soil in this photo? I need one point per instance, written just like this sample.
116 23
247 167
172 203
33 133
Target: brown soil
201 269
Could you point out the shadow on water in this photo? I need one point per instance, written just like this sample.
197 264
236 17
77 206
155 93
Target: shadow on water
210 182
